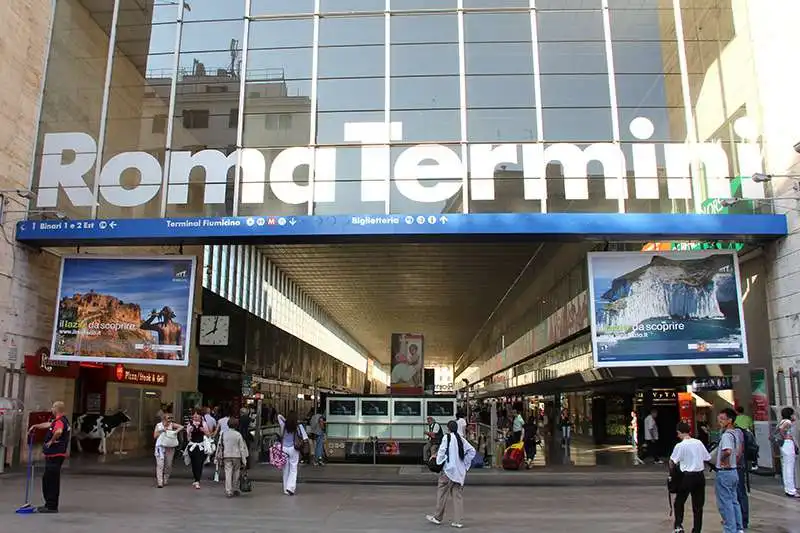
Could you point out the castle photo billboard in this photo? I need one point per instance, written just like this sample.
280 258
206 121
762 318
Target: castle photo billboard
666 308
124 310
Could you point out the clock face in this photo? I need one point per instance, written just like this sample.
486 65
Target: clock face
214 330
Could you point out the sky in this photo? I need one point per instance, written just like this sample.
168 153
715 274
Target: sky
148 283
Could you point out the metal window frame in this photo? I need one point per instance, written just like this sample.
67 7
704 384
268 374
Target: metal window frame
612 96
101 135
173 91
537 90
242 94
462 108
312 134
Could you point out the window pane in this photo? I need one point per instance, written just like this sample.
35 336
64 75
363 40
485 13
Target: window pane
281 7
424 29
497 27
351 61
349 185
440 92
499 58
398 5
576 26
351 31
501 125
362 94
347 6
137 108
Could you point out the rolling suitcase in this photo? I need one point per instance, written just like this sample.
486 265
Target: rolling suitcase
514 457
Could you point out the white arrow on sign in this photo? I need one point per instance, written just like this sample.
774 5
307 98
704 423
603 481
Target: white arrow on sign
443 220
112 224
292 221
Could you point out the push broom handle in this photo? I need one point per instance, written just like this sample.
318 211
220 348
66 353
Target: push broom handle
30 469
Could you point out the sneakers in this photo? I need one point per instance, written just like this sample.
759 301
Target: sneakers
433 520
46 510
456 525
196 485
679 530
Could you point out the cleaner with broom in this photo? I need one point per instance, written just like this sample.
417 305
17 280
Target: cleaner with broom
55 451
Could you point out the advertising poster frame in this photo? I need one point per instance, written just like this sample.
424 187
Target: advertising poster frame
400 346
704 356
186 332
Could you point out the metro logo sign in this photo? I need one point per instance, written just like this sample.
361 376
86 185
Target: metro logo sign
69 157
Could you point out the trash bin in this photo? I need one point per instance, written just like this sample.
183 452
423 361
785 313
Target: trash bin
10 427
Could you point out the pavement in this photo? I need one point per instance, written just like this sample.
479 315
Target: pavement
130 504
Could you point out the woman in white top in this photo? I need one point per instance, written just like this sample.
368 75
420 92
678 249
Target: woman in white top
455 455
788 451
293 439
166 435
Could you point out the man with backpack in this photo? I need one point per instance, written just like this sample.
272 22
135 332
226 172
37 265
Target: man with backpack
434 434
748 455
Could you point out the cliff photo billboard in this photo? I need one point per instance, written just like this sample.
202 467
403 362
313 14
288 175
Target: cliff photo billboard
125 310
663 308
408 363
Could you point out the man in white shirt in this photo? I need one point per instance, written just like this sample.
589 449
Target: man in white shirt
210 421
462 424
651 436
689 457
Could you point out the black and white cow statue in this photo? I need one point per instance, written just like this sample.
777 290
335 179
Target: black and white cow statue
97 427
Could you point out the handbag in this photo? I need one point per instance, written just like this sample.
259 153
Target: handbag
277 457
433 464
674 480
169 439
245 485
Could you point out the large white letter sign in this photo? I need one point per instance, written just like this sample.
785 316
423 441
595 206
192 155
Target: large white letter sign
214 164
409 171
115 193
69 176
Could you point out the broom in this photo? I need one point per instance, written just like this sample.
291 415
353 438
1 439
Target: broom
27 507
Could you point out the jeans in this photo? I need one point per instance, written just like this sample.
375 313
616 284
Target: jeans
51 482
694 485
744 498
319 447
728 501
448 488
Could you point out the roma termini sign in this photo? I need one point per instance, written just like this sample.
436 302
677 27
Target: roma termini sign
422 173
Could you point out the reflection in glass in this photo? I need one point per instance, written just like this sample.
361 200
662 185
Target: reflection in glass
138 105
281 7
198 10
357 189
351 6
207 92
72 102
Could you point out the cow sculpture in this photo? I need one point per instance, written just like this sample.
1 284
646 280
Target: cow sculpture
97 427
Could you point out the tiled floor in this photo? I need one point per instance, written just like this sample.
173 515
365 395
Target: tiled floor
125 505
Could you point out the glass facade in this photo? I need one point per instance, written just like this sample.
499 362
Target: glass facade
294 107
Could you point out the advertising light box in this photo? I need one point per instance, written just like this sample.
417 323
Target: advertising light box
661 308
124 310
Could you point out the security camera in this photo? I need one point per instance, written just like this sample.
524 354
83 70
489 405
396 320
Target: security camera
797 147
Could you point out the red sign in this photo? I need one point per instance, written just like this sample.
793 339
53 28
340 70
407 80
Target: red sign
686 409
40 364
139 377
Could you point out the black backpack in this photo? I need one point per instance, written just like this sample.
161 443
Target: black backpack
750 447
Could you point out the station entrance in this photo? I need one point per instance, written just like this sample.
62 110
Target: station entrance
380 334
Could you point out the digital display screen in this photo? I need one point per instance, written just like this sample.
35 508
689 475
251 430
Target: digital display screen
374 408
342 407
407 408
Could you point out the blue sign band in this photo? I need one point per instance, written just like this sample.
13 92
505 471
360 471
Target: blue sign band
584 226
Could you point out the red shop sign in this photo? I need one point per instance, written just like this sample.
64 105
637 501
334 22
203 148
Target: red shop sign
40 364
139 377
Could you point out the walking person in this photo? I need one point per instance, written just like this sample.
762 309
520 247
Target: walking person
455 455
54 450
651 439
317 427
232 454
741 473
727 477
166 435
293 440
565 423
689 457
434 435
197 431
530 436
634 429
788 449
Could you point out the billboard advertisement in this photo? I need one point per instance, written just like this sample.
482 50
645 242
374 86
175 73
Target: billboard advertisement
408 362
124 310
666 308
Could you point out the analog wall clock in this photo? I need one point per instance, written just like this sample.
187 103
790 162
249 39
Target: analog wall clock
214 330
